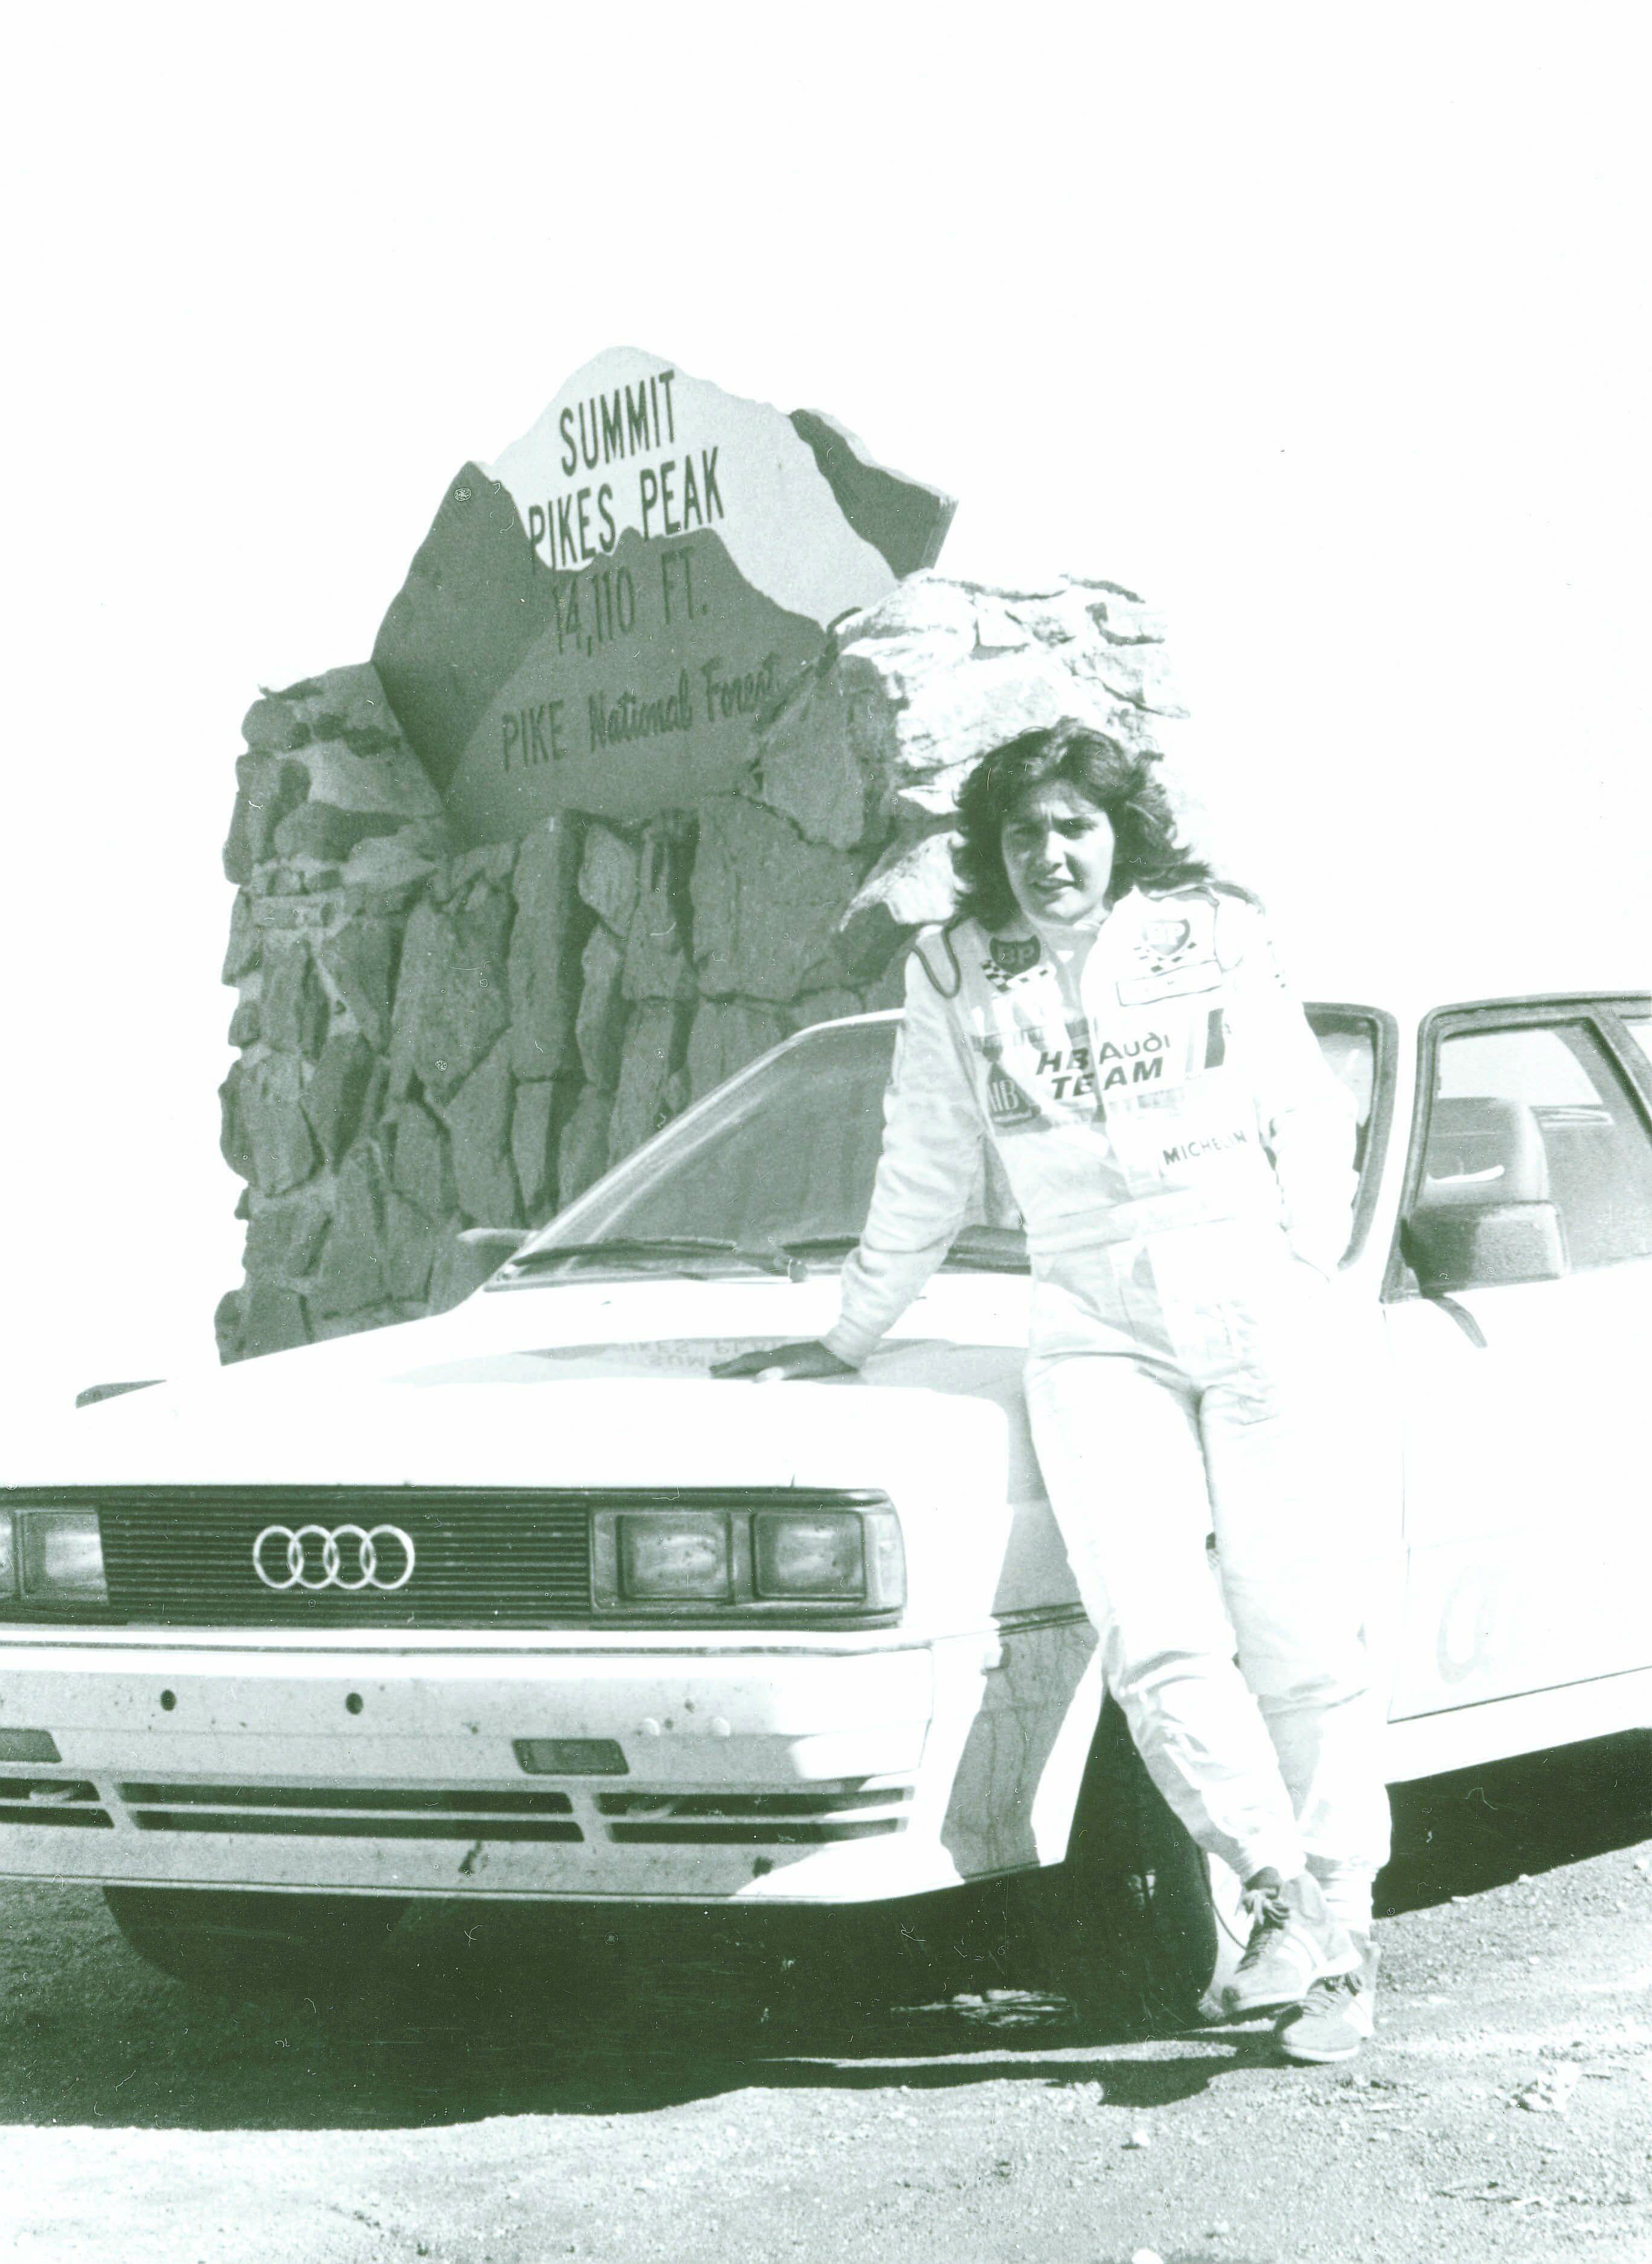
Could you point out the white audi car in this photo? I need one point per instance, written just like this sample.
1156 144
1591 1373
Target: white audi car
517 1602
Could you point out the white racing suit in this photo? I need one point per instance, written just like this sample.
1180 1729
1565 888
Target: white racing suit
1181 1155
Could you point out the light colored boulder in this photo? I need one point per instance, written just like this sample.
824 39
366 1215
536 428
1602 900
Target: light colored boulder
923 684
949 717
932 605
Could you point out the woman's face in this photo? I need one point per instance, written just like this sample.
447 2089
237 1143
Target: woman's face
1057 851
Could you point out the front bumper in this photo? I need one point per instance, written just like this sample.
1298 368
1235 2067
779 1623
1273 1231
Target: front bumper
774 1773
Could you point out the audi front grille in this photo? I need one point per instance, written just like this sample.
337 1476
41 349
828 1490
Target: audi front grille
391 1557
183 1556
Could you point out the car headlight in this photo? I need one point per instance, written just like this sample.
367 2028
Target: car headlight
667 1554
820 1555
770 1558
52 1557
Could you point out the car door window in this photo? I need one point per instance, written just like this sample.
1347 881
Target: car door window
1538 1112
1640 1028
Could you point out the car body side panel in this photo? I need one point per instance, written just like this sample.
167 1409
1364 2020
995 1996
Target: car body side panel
1528 1500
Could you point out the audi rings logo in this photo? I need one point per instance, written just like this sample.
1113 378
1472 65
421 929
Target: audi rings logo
348 1556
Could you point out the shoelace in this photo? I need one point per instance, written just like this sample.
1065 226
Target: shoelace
1349 1984
1266 1910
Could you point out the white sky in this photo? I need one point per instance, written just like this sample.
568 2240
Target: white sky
1326 329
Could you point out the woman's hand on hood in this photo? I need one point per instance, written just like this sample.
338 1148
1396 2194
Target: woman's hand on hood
784 1364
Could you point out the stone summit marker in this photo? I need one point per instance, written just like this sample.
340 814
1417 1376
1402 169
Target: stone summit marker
655 765
597 620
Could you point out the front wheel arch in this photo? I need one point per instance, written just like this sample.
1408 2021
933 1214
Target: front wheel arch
1148 1926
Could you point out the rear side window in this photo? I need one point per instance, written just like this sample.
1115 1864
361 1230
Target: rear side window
1540 1112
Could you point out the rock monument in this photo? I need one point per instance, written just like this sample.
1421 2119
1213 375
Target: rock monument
570 850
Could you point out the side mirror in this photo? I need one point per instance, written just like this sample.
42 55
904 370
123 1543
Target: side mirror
95 1393
1481 1246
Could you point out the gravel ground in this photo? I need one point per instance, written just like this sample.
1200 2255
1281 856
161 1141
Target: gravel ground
519 2086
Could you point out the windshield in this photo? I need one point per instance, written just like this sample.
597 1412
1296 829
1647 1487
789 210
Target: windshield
779 1162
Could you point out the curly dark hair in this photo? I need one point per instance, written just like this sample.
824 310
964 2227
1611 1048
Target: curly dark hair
1148 853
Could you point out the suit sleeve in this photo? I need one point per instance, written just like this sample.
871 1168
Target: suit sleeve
927 1172
1306 1115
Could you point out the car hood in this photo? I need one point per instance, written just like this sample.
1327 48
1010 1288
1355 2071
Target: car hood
589 1384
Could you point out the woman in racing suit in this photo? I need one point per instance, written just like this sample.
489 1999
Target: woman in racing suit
1114 1021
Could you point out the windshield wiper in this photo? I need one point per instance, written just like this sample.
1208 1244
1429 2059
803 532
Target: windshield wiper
1005 1255
789 1259
616 1247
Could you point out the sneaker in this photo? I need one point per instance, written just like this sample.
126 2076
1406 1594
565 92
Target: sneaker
1337 2016
1294 1942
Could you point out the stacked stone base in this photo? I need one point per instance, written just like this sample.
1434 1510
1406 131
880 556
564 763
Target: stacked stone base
433 1038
